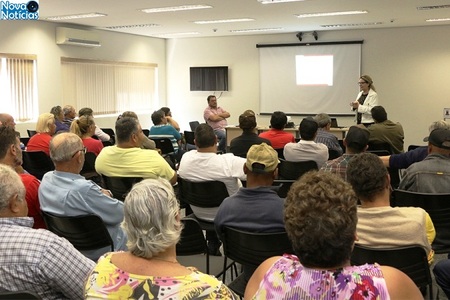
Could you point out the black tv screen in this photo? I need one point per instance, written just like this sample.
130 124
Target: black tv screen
211 79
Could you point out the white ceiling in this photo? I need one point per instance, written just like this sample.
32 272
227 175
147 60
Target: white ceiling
390 13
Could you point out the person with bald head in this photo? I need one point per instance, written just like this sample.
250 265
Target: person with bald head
65 192
35 260
7 120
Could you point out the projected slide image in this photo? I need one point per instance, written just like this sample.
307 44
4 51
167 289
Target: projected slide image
314 69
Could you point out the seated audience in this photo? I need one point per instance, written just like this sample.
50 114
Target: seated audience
355 142
59 118
148 143
11 155
204 164
162 129
379 224
324 135
404 160
432 174
276 135
306 149
102 136
169 118
150 270
385 131
69 114
45 129
127 159
240 145
65 192
258 197
7 120
320 219
84 127
35 260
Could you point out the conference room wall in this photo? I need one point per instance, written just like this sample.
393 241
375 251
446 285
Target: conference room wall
410 68
38 37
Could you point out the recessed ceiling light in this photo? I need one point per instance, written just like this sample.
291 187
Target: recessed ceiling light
133 26
351 25
337 13
429 7
277 1
256 30
78 16
176 34
438 20
224 21
174 8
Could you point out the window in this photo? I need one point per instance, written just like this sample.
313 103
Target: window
18 86
109 87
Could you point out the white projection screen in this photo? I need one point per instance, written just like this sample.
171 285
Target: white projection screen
301 79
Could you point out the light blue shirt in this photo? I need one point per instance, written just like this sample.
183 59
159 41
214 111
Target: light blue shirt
69 194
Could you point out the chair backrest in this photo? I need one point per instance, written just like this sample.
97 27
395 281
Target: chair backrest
293 170
111 133
37 163
89 163
410 260
202 194
164 144
120 186
332 154
280 152
250 248
380 146
194 124
31 132
24 140
437 206
146 131
19 295
87 232
412 147
189 137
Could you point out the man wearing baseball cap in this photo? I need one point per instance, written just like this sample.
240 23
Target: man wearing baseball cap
257 207
432 175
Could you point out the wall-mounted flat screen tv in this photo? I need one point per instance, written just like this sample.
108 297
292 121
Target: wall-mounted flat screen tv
211 79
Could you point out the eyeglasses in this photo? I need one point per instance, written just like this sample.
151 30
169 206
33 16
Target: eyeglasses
362 82
84 150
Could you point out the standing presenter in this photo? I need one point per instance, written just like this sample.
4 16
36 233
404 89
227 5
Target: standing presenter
365 101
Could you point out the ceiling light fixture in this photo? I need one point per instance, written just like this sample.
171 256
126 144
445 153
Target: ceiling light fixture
351 25
78 16
429 7
176 34
438 20
329 14
256 30
133 26
174 8
224 21
277 1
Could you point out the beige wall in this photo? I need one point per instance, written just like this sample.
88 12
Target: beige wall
31 37
410 68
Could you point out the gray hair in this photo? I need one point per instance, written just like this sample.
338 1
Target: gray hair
438 125
10 185
150 221
322 119
63 146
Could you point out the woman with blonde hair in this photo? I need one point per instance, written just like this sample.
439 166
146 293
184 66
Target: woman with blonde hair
150 270
367 99
84 127
45 129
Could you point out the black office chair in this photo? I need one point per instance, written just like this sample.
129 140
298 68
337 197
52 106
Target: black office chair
31 132
111 133
250 250
193 125
189 139
86 232
120 186
37 163
412 147
146 131
88 170
333 154
202 194
280 152
290 171
25 295
24 140
380 146
437 206
410 260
